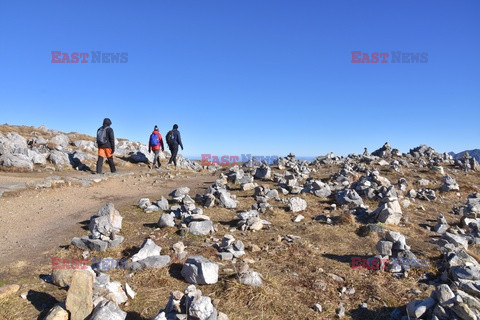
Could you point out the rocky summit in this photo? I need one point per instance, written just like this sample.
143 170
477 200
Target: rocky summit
386 235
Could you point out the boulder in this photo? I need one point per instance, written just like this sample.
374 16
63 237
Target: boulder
58 158
199 270
62 277
263 172
147 249
166 220
201 308
85 145
201 228
79 296
16 161
384 247
60 141
297 204
251 278
418 308
163 204
226 201
180 193
108 310
57 313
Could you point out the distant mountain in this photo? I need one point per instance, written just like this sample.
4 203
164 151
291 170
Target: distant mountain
473 153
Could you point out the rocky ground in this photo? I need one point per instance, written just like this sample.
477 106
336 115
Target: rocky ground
374 236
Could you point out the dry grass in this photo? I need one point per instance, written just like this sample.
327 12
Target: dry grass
295 274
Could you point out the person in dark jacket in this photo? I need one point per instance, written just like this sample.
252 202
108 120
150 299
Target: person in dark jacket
106 145
176 141
155 143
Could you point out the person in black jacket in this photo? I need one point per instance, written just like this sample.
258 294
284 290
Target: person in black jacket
174 140
106 145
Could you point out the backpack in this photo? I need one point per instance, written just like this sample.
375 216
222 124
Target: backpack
154 141
101 136
170 138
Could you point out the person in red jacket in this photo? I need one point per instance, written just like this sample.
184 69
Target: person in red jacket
155 143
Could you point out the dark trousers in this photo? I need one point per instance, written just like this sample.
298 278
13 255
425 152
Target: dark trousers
174 151
110 163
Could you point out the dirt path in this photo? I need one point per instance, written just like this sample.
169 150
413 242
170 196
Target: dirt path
34 222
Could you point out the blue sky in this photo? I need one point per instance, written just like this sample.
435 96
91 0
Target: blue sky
259 77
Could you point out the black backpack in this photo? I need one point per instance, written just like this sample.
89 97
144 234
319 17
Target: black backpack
101 136
170 138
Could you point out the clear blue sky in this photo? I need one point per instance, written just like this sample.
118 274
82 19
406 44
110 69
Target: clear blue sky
248 76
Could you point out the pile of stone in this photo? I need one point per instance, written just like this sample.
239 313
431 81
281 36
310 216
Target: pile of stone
389 210
330 158
186 163
254 162
217 193
239 176
104 228
396 166
394 248
192 218
229 249
288 182
199 224
367 186
148 206
456 295
90 296
467 163
449 184
317 187
148 257
263 172
262 196
349 197
442 226
190 304
248 276
343 177
471 207
299 168
426 194
250 220
429 154
402 184
384 152
468 233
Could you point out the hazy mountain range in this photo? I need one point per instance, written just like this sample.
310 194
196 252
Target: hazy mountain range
473 153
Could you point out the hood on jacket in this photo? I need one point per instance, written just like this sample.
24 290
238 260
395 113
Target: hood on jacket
106 122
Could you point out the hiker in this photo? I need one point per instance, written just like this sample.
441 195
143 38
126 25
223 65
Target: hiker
106 145
174 140
155 143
